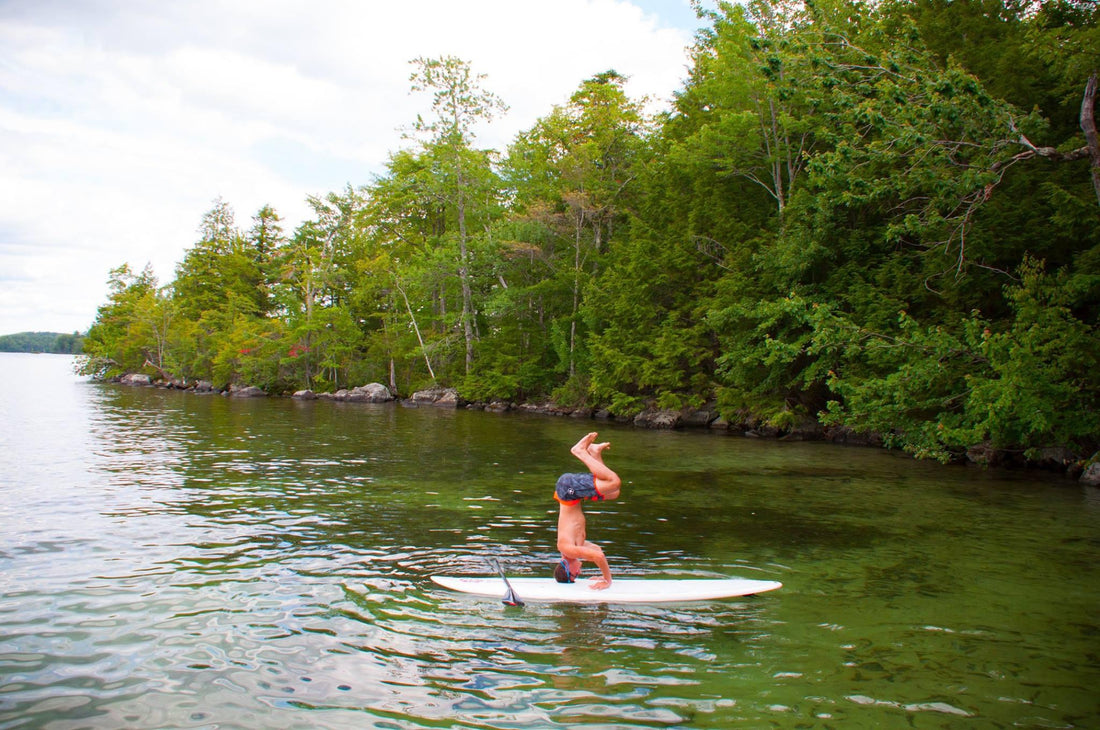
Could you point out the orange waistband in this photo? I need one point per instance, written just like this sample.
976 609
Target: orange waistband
566 502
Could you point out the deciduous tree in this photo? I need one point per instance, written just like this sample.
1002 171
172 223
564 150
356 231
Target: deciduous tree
459 104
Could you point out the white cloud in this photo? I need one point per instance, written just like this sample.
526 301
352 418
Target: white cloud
122 120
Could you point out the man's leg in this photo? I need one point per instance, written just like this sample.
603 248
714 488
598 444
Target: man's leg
591 454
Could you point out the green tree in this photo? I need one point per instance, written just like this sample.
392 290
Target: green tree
710 185
123 337
68 344
221 270
902 152
914 202
462 174
219 280
937 390
402 288
314 292
747 90
572 175
265 239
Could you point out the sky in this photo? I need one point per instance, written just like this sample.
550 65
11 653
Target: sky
122 121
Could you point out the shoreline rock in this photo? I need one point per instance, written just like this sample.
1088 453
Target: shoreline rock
369 393
544 409
437 397
246 391
661 419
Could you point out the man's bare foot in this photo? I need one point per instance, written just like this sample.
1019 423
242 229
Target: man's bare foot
582 445
597 449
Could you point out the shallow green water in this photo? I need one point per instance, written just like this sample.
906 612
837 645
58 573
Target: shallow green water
173 560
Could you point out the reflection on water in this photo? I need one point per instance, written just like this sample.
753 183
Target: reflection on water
174 560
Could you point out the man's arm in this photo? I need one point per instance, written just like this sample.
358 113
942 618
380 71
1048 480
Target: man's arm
594 554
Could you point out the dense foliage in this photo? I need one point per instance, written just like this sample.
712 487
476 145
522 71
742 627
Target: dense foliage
850 215
51 342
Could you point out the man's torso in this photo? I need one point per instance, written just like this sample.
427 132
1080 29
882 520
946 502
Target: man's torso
571 525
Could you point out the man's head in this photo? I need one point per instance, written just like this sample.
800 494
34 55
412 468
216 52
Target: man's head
567 570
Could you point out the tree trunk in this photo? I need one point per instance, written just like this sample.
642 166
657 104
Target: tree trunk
464 276
416 329
1088 126
164 374
578 230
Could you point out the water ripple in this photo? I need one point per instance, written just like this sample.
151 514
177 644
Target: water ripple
168 560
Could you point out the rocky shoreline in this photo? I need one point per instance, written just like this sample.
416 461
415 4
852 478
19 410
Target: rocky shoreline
1053 459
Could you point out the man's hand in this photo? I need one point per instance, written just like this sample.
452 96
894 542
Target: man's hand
599 583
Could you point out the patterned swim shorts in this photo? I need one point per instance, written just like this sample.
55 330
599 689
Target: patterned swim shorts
572 488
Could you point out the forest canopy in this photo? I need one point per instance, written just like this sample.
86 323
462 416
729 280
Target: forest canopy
881 217
57 343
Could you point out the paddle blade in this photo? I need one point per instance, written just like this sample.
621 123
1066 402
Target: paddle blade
510 597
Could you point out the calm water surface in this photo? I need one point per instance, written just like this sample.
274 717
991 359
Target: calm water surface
174 560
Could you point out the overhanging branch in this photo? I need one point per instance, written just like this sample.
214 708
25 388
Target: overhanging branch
1090 150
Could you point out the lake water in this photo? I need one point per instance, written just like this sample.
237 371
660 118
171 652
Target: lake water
176 560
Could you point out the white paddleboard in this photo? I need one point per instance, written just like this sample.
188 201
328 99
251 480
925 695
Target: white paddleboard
622 590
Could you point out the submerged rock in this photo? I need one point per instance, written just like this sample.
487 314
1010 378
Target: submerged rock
658 419
172 384
805 429
1056 457
547 409
845 435
698 418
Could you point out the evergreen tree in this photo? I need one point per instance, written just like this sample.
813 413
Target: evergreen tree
123 337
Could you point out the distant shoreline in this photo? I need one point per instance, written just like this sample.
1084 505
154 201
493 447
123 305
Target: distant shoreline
49 343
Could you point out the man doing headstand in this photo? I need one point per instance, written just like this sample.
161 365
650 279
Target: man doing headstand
599 484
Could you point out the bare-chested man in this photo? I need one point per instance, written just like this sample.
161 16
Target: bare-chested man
599 484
